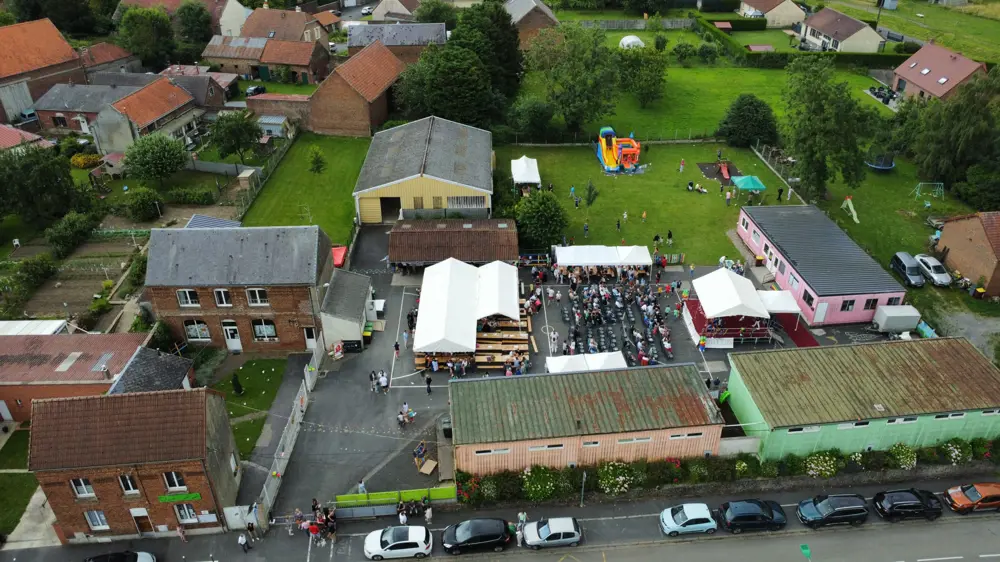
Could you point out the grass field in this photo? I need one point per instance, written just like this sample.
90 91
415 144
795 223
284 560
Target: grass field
293 187
699 221
774 37
274 88
973 36
14 453
247 433
182 179
210 153
12 227
612 38
16 491
260 380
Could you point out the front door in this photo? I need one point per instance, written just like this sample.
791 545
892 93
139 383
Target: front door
142 522
310 333
265 73
820 313
232 334
84 126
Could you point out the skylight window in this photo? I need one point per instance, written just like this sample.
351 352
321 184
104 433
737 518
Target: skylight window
925 71
942 80
913 64
270 34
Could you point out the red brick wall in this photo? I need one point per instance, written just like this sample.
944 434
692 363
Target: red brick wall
530 25
290 310
970 252
69 509
408 54
298 111
337 109
10 394
319 65
41 80
45 120
216 95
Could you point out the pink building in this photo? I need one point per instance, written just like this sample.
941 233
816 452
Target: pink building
570 419
833 280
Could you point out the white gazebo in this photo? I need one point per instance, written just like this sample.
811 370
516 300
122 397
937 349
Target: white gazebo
524 170
585 362
631 42
606 256
723 293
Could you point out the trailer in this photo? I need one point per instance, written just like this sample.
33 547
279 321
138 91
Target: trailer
896 319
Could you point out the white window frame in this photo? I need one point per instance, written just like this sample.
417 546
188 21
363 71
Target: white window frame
951 416
188 301
793 281
853 425
552 447
102 521
83 484
633 440
132 489
847 305
803 429
187 509
993 412
178 480
744 224
485 452
687 436
591 443
197 323
256 297
227 296
901 421
755 236
466 201
893 301
263 323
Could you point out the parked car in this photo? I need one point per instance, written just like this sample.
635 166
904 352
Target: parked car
254 90
752 515
687 518
558 531
126 556
477 534
973 497
399 542
896 505
932 269
906 267
838 509
366 11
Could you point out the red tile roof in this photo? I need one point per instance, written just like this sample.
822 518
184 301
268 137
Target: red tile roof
292 53
764 6
101 53
119 429
281 97
12 136
286 25
326 19
371 71
835 24
214 7
32 45
940 63
991 224
65 357
152 102
431 241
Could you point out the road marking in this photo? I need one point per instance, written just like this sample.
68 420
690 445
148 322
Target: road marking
399 322
989 555
938 559
620 517
406 376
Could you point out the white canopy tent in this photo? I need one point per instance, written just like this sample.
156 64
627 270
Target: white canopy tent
583 256
585 362
778 302
497 291
723 293
631 42
454 295
634 255
525 170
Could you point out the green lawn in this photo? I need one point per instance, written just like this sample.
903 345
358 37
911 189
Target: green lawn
182 179
246 434
16 491
974 36
699 221
294 194
612 38
773 37
14 453
577 15
12 227
210 153
274 88
260 380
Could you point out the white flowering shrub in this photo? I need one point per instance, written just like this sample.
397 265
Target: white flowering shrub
539 483
488 489
615 478
956 452
903 456
821 465
742 468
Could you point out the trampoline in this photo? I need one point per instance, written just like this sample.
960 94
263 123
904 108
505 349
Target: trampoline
880 161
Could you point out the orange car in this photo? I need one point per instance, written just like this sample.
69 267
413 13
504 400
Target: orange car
973 497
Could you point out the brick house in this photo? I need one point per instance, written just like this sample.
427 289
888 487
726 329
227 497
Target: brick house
35 56
161 106
249 289
935 72
59 366
309 61
354 99
206 89
295 107
971 244
405 40
108 57
69 108
236 55
125 466
283 25
530 17
151 370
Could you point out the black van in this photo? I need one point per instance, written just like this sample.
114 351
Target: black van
906 267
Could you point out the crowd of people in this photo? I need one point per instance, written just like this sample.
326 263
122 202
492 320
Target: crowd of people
320 525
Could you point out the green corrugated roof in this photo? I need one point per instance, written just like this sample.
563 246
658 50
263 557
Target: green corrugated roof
544 406
842 383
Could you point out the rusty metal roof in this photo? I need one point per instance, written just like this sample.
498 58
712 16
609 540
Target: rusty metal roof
830 384
545 406
471 241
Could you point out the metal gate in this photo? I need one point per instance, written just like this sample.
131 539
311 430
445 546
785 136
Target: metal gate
15 99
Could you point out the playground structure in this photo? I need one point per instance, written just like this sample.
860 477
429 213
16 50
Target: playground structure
725 167
924 189
617 155
880 161
849 207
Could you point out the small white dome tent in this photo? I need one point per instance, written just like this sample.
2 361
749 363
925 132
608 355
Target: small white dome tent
631 42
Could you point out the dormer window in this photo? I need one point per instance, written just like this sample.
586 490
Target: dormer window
925 71
942 80
270 35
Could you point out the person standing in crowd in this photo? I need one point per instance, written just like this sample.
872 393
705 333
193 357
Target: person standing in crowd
383 381
670 238
586 229
682 166
780 191
406 339
242 541
427 379
373 378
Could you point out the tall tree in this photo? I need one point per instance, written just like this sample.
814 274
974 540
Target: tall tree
504 61
826 126
25 10
748 121
578 70
234 132
148 33
449 81
194 23
643 73
961 131
36 184
155 157
437 11
7 18
541 220
317 162
70 16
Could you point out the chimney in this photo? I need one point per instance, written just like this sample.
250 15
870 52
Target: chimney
107 373
265 6
298 9
282 15
121 69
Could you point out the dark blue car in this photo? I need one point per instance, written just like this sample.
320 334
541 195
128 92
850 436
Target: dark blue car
752 515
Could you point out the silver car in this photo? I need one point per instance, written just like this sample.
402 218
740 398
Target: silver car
932 269
558 531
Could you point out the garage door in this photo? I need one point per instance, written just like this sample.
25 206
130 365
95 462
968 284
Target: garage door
15 99
371 210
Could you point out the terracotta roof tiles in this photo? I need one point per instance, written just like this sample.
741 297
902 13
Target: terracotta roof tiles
326 19
12 136
371 71
472 241
292 53
152 102
102 53
65 357
932 63
32 45
283 25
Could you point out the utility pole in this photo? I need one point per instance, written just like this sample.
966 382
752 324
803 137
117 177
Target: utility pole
583 487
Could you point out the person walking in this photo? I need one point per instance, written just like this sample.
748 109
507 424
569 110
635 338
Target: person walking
670 238
361 487
682 166
576 203
719 155
251 532
373 378
780 191
395 347
618 225
729 195
427 379
406 339
586 229
625 216
180 533
428 515
242 541
572 192
383 382
790 190
644 215
402 518
691 270
520 536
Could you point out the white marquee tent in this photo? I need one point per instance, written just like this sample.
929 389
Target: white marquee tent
583 256
585 362
723 293
634 255
525 170
454 295
631 42
778 302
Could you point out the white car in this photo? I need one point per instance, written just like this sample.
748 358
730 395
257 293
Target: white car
399 542
687 518
932 269
558 531
366 11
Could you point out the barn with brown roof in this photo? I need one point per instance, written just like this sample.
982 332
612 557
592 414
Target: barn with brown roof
309 61
935 72
971 244
479 241
124 466
34 57
108 57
